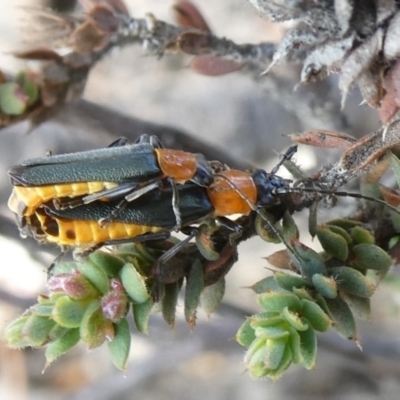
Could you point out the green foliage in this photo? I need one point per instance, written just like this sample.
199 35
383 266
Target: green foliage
309 292
90 302
331 289
18 95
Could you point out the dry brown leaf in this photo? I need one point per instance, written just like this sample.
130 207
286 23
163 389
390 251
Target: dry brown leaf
214 66
280 259
391 196
102 18
323 138
188 15
117 5
370 148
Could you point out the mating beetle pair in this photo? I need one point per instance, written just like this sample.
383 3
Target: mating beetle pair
141 192
131 192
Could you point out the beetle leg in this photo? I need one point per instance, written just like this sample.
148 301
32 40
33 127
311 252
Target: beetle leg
119 142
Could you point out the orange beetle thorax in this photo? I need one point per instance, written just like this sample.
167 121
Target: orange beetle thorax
228 197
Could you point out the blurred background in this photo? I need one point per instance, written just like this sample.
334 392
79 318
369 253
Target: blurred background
240 118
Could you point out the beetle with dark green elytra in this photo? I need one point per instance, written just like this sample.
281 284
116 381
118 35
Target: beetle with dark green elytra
119 172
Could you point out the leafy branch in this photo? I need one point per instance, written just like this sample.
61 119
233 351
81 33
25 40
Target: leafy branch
309 292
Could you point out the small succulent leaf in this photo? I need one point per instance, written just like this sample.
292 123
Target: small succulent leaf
360 306
295 320
169 303
194 287
315 316
308 260
69 313
370 256
273 352
246 334
294 344
342 317
37 329
61 345
109 263
333 243
120 346
141 315
13 100
13 333
308 347
276 302
362 235
289 281
93 327
325 286
95 274
211 297
340 231
353 282
134 284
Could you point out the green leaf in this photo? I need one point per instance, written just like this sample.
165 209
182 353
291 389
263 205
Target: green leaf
205 244
212 295
360 306
109 263
93 326
344 223
340 231
274 351
325 286
286 362
28 86
169 303
295 346
42 310
245 335
64 268
61 345
314 314
312 219
295 320
272 332
342 317
141 315
13 333
289 227
120 346
37 330
265 320
69 313
96 275
308 260
13 100
57 332
334 244
308 347
134 284
265 230
362 235
370 256
194 287
288 281
273 301
353 282
254 358
266 285
302 293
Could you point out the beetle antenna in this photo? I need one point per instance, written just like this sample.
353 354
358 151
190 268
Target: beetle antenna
339 194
